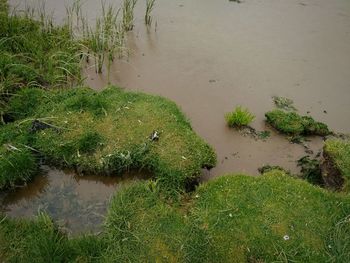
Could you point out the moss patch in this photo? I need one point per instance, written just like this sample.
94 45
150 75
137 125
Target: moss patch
336 164
294 124
109 132
230 219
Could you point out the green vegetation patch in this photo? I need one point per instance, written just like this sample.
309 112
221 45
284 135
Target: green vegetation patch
269 218
40 240
336 164
239 117
230 219
141 227
17 163
34 54
294 124
110 132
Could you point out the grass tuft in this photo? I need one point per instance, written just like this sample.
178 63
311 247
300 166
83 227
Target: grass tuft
149 8
239 117
128 14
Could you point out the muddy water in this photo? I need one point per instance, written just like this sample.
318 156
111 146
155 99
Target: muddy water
209 56
77 203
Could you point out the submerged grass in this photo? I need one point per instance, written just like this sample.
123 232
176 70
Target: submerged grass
106 39
149 8
230 219
109 133
128 14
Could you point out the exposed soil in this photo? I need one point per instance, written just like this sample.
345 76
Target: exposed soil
331 175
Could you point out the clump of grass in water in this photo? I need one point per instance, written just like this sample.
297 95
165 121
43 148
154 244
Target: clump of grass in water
149 9
294 124
106 39
239 117
128 14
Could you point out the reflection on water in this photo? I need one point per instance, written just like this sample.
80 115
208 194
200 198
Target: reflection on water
78 203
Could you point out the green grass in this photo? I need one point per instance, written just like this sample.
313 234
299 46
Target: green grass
337 151
247 219
41 240
293 124
17 163
234 218
108 133
34 54
128 14
239 117
141 227
149 8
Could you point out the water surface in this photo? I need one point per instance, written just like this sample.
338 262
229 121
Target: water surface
77 203
210 56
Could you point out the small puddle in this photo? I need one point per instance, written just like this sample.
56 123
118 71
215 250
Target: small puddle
78 203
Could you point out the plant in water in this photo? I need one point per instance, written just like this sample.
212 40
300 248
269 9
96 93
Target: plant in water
106 39
284 103
239 117
294 124
149 8
128 14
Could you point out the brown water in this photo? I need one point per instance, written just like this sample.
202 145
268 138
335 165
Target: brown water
210 56
77 203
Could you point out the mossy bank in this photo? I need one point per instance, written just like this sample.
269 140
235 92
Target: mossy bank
336 164
294 124
234 218
104 133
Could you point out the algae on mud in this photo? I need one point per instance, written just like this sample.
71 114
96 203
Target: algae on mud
108 133
233 218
